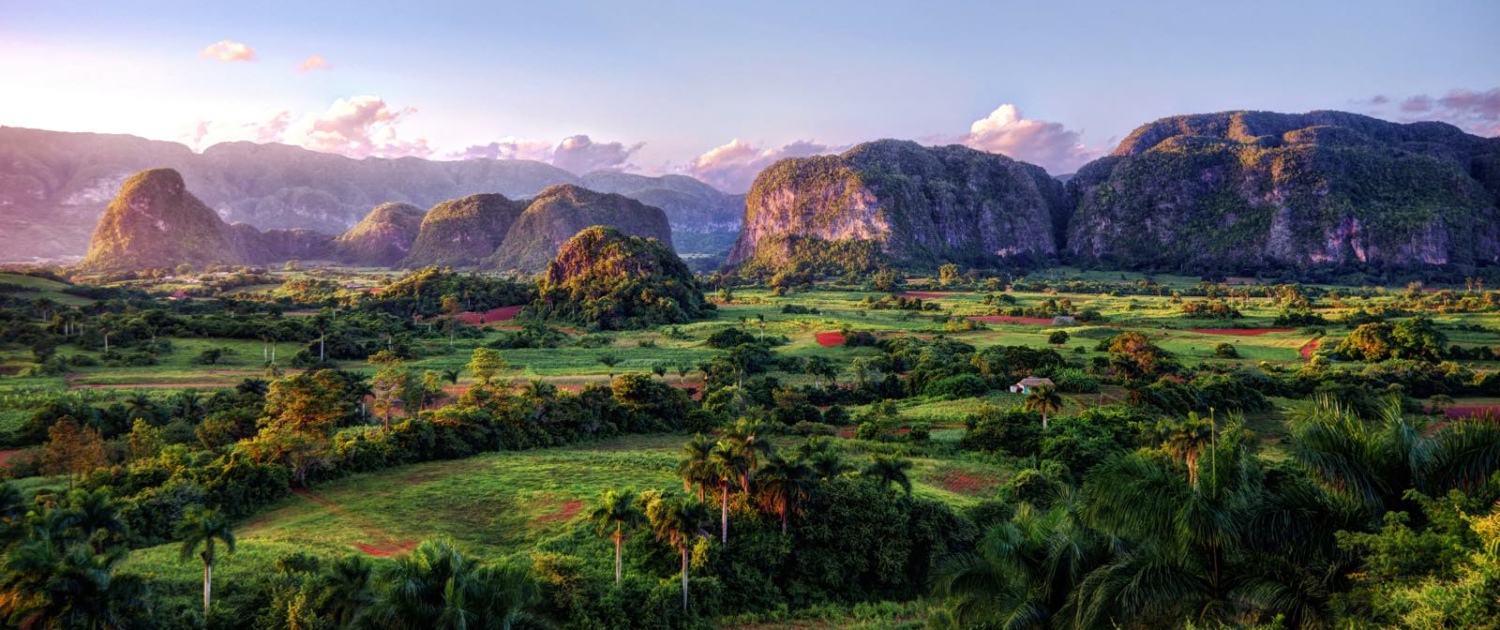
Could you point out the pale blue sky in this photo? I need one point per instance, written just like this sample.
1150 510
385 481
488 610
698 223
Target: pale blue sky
684 77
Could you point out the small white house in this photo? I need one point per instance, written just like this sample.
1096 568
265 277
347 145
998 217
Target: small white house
1025 385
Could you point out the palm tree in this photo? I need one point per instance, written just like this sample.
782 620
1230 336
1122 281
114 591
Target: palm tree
887 470
676 521
436 587
694 466
451 375
204 528
1376 462
730 462
45 586
1043 400
785 485
616 513
820 454
347 586
96 517
743 436
1184 440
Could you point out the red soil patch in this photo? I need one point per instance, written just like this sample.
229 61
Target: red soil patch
962 482
1011 319
380 545
830 339
565 512
1240 332
502 314
6 456
1473 411
1307 349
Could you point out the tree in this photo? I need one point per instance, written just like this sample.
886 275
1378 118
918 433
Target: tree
695 465
95 518
72 450
1058 337
205 528
46 586
1184 440
676 521
948 274
1043 400
452 307
438 588
660 369
609 360
784 485
310 403
824 368
486 364
886 470
730 462
1134 357
824 460
616 514
143 442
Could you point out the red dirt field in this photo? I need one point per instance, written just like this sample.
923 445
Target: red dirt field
502 314
1240 332
1473 411
1011 319
7 455
830 339
565 512
968 483
1307 349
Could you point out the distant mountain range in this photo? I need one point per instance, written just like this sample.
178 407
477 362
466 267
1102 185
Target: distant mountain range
54 186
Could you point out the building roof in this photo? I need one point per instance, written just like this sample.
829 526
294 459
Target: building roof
1033 381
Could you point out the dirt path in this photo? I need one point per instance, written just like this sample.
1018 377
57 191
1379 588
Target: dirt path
380 543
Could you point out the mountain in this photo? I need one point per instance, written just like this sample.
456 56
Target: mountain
1245 190
275 246
463 232
54 185
382 238
705 220
606 278
562 211
899 202
155 222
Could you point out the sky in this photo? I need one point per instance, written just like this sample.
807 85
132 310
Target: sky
718 90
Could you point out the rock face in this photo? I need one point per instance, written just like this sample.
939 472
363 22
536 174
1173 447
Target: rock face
155 222
908 203
382 238
463 232
275 246
54 185
560 212
1248 190
605 277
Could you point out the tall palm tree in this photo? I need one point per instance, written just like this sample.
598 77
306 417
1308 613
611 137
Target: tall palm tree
347 590
784 485
436 587
1043 400
1185 439
744 437
205 528
886 470
730 462
676 521
616 514
96 518
694 466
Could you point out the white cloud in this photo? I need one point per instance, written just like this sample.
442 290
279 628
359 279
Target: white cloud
578 154
732 167
1047 144
357 127
228 50
314 62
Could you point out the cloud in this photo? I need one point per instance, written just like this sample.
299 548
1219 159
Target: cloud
1047 144
732 167
314 62
578 154
228 50
1476 112
357 127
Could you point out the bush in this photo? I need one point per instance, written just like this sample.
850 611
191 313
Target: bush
1226 351
959 386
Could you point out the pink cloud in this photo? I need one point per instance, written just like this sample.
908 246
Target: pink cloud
228 50
733 166
314 62
1476 112
1047 144
578 154
356 127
